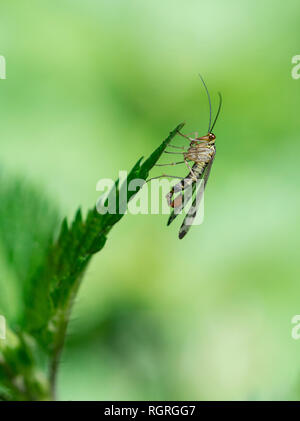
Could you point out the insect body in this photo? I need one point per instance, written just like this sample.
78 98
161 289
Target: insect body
201 153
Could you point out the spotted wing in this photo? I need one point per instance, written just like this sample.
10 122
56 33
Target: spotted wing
186 195
190 217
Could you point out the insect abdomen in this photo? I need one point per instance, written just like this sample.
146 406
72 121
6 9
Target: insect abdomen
200 153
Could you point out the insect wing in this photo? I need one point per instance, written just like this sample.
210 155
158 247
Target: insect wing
191 215
186 195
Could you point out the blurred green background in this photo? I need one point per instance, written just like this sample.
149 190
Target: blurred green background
92 86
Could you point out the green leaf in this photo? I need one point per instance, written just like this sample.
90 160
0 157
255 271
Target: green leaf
55 288
19 373
27 225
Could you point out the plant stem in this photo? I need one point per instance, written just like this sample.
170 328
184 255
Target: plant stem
75 247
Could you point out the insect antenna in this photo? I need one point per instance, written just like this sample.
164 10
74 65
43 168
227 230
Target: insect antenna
218 112
209 101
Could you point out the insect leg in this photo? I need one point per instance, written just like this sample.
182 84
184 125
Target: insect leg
164 175
175 153
178 147
171 163
190 168
185 136
193 133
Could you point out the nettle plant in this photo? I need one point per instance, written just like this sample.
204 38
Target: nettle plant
48 274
